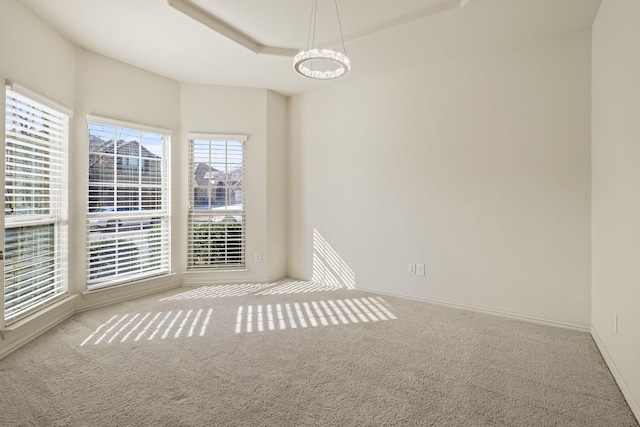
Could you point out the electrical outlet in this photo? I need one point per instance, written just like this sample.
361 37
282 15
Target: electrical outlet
420 269
412 268
257 257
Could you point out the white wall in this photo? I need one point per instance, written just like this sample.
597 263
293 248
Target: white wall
477 167
276 185
616 194
230 110
34 55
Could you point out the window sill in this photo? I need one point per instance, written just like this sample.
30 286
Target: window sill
154 280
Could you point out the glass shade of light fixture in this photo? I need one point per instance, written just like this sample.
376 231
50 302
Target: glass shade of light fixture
343 65
338 61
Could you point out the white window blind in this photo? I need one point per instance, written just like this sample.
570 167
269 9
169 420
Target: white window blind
217 204
35 207
128 221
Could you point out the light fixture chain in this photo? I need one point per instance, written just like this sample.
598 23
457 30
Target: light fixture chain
344 49
311 39
303 62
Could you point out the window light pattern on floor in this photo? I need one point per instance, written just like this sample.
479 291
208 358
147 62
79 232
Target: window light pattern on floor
236 290
270 317
297 288
150 326
219 291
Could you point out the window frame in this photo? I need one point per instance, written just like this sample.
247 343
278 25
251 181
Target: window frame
234 248
125 230
41 159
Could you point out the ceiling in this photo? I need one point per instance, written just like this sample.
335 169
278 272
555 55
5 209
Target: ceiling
250 42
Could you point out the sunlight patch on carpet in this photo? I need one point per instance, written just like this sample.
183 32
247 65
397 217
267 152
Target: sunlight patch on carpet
149 326
220 291
237 290
297 288
270 317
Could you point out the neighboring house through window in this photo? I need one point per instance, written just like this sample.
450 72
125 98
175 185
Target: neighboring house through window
217 205
128 218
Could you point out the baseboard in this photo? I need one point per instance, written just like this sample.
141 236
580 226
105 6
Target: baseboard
511 315
31 328
227 281
633 403
299 277
102 297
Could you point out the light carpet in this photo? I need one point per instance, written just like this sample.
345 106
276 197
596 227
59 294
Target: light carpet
300 354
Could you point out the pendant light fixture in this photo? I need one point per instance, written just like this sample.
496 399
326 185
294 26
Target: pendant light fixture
338 62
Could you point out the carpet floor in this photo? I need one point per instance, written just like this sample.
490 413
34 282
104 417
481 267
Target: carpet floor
299 354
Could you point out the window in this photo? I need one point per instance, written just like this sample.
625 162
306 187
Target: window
216 207
128 212
35 202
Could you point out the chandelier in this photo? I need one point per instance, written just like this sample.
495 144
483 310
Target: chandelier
337 63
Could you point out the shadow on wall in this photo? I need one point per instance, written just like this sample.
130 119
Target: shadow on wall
328 267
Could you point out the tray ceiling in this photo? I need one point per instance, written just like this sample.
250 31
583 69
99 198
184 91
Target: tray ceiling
381 35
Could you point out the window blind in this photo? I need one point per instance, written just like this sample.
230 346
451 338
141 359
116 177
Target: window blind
35 222
128 220
217 226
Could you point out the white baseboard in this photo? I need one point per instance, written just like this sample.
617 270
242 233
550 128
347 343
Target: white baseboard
92 299
226 281
633 402
518 316
299 277
26 331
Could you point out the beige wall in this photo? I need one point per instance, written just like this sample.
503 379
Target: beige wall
616 194
477 167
